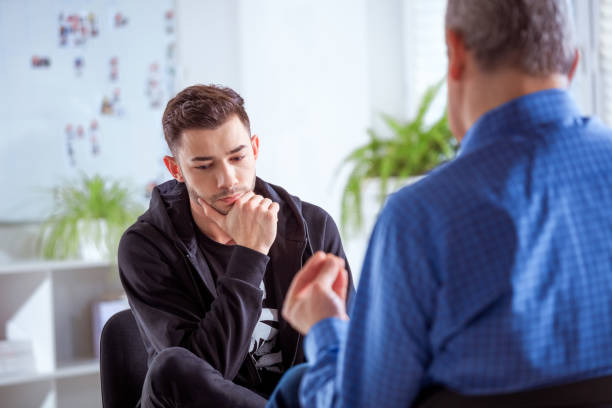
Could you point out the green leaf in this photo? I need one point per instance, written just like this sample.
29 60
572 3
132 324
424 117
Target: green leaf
412 149
89 199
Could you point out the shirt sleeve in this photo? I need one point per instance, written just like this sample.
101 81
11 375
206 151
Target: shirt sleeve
380 357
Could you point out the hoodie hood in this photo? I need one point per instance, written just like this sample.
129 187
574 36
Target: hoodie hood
169 208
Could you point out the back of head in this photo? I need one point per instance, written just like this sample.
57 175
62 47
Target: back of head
534 36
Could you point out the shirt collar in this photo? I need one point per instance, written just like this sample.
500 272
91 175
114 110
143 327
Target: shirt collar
523 113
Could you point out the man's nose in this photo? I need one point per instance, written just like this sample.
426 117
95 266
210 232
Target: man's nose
226 178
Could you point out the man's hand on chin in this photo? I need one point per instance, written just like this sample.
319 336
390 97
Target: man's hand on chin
251 222
318 291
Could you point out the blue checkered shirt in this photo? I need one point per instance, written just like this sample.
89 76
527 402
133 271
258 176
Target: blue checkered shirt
492 274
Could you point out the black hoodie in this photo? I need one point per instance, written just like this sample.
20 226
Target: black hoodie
176 301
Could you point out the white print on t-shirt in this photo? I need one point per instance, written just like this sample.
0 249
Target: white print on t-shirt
264 347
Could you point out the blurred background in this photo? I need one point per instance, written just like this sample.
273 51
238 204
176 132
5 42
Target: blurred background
84 84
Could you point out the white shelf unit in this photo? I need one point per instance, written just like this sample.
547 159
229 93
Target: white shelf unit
50 304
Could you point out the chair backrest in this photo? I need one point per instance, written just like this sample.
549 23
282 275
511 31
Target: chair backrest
123 361
589 393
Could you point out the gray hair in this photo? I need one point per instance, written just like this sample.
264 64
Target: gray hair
535 36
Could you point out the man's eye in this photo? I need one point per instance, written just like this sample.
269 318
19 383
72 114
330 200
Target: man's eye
238 158
203 167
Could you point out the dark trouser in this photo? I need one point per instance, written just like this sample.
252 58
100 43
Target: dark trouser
593 393
178 378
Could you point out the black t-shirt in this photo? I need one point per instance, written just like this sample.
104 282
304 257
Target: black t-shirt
217 255
264 348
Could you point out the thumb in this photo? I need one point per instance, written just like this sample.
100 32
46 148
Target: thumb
306 275
329 271
340 286
212 214
329 302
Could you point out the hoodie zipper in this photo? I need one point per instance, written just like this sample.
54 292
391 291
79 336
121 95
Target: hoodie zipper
191 268
254 376
309 246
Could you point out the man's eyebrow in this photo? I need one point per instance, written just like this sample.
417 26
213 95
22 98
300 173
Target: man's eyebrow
236 150
201 158
208 158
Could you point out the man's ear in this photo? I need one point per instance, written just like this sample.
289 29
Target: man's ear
572 70
456 54
255 145
174 168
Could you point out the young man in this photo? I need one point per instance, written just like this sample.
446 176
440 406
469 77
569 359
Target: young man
487 283
207 267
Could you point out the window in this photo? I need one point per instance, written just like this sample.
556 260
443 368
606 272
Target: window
604 37
592 85
424 52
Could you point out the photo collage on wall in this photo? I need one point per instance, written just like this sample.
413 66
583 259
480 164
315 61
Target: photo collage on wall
87 82
80 29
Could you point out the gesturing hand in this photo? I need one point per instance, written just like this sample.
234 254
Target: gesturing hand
318 291
251 222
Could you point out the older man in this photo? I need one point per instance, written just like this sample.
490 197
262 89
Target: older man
488 282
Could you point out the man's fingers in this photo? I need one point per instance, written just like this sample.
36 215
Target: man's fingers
321 268
306 274
272 211
274 208
245 197
319 303
211 213
340 285
265 204
254 201
328 271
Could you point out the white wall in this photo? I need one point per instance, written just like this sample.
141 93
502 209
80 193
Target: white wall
314 74
305 82
207 48
386 59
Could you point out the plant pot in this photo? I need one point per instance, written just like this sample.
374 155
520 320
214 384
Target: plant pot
93 239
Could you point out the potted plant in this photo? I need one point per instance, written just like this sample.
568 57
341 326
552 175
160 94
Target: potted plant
89 219
412 150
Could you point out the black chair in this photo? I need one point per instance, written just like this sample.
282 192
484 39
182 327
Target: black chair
592 393
123 361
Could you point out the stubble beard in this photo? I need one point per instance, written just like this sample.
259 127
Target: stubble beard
193 195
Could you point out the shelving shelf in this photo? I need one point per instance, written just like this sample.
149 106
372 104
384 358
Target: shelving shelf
49 304
67 371
42 266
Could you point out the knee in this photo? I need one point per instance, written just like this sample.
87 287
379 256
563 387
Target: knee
164 369
179 368
169 363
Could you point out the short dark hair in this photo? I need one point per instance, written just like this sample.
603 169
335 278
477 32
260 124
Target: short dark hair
201 107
